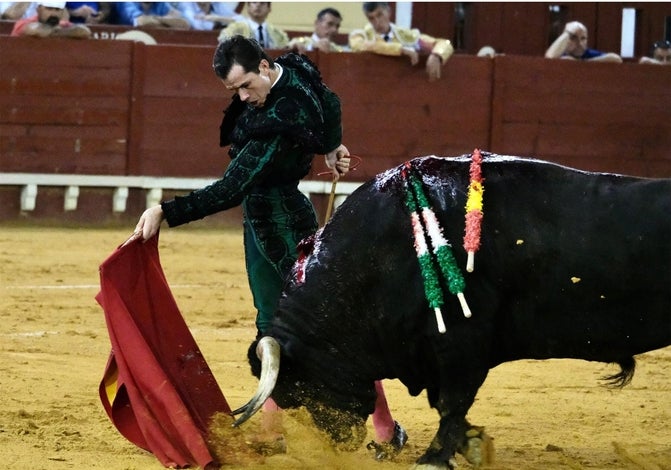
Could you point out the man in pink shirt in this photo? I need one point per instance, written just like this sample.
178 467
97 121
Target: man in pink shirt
51 21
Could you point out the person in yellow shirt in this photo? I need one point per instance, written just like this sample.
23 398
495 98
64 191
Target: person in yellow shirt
256 26
381 36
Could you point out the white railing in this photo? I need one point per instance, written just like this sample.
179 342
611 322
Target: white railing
154 185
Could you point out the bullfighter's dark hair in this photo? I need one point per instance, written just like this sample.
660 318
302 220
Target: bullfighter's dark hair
329 11
369 7
240 50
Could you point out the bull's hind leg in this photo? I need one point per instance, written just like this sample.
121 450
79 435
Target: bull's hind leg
455 434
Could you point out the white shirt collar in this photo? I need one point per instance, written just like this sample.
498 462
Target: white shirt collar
255 25
391 33
281 71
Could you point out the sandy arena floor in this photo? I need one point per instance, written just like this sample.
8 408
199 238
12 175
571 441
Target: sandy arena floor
54 346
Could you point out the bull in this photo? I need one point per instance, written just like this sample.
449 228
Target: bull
571 264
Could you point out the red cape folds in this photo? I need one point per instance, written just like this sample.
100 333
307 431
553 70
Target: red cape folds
157 388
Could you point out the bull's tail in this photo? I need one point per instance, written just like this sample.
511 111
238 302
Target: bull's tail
622 378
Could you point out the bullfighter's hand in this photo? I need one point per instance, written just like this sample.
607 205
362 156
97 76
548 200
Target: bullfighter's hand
338 161
148 225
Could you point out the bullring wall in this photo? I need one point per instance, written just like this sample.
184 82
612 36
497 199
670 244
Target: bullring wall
119 108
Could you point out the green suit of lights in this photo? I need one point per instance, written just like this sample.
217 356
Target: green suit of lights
271 149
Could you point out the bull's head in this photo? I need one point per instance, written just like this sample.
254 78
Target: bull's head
343 421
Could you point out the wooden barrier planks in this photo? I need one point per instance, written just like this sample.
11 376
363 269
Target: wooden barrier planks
600 117
64 105
116 107
181 109
391 112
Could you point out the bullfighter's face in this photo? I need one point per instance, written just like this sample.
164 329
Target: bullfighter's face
251 87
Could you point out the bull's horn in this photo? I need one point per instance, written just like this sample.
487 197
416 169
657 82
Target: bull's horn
268 351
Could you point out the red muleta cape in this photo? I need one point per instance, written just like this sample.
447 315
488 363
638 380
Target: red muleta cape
157 388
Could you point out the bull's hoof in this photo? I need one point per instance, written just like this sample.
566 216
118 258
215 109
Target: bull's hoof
389 450
450 465
383 451
268 447
479 447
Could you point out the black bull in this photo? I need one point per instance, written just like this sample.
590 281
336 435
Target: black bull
571 265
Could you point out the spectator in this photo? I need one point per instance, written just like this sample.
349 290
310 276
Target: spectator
381 36
89 12
150 15
254 25
327 25
572 44
208 16
17 10
660 54
51 20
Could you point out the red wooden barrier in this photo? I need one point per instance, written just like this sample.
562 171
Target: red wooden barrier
64 105
122 108
392 113
178 105
599 117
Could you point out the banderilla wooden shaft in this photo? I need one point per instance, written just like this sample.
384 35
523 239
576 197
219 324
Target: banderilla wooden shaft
329 207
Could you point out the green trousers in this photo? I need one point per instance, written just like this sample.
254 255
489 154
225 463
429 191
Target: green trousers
265 280
270 248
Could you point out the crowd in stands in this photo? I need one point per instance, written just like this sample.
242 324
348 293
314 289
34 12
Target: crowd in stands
379 35
145 15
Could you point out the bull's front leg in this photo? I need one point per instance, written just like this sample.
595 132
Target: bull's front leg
472 442
455 434
441 451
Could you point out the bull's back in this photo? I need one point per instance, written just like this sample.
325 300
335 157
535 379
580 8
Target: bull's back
571 263
582 261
